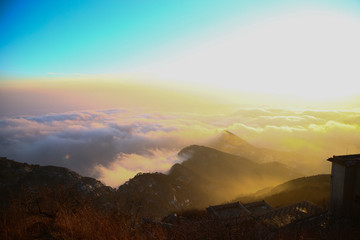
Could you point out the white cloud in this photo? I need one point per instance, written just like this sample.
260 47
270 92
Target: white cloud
104 143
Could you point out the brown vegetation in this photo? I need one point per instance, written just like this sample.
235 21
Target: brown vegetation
57 214
53 215
62 214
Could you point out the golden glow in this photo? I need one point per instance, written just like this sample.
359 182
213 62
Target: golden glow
171 118
79 94
308 54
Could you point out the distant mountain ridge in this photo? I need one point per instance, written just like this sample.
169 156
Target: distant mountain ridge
230 143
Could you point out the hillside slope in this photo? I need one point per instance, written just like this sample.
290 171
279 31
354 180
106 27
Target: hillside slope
315 189
21 178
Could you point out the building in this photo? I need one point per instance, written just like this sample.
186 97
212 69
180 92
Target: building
291 214
345 186
265 214
228 211
258 208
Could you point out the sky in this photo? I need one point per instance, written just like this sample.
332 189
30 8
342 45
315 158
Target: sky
109 88
288 47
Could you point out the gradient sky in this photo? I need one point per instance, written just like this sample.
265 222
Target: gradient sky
193 41
307 49
91 37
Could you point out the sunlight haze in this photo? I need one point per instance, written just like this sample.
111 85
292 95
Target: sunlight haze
113 88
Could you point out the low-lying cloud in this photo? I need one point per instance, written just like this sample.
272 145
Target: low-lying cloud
113 145
88 142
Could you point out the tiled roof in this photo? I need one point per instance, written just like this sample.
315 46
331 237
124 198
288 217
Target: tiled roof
284 216
258 208
228 211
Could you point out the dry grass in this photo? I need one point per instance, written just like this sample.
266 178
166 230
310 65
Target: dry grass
49 214
84 223
59 214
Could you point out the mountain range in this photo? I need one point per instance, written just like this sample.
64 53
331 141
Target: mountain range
207 176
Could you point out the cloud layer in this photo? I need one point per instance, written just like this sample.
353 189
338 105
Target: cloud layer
90 142
115 144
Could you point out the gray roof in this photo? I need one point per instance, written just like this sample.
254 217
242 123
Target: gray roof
228 211
347 160
293 213
258 208
264 213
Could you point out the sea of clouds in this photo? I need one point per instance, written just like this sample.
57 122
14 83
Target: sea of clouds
113 145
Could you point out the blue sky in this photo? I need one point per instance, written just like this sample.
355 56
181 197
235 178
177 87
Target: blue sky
113 37
76 36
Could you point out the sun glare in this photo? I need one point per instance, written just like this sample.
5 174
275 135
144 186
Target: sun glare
308 54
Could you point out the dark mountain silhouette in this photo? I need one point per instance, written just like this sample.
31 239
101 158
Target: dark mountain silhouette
17 178
157 195
207 176
315 189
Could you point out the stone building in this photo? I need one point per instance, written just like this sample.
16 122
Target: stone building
345 186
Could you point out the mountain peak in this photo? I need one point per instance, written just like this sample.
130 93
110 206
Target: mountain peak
232 139
231 143
228 132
